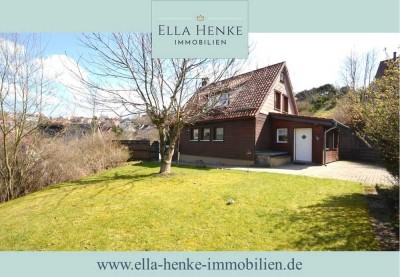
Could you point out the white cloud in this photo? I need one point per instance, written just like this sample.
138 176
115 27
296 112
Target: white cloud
69 90
73 97
63 69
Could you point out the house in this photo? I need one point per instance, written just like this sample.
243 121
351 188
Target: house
255 122
383 66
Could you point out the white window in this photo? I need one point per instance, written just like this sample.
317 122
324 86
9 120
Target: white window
218 134
282 135
206 134
195 134
282 77
220 100
223 100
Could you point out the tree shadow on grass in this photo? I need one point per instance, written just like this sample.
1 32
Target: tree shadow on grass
155 164
338 223
103 182
107 181
384 210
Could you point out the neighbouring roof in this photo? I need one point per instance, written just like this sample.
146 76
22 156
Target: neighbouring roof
381 69
247 92
329 122
383 66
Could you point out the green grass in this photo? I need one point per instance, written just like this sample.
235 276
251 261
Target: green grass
133 208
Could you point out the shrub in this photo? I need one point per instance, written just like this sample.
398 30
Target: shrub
55 160
390 194
375 116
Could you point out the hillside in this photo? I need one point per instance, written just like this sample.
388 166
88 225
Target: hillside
323 101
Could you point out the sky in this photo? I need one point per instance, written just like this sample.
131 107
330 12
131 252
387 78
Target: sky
316 59
312 59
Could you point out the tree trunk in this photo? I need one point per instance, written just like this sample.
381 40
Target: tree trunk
165 167
166 160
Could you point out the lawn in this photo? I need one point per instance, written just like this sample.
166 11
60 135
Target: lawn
133 208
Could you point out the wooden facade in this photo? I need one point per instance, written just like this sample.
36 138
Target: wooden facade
318 130
260 103
237 143
245 137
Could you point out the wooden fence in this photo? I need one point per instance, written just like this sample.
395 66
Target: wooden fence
142 149
353 149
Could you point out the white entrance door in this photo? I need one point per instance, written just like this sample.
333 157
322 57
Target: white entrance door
303 145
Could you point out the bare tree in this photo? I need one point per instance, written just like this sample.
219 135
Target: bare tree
351 67
121 67
358 69
369 63
24 91
89 100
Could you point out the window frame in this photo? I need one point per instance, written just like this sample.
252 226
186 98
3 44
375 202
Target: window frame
282 77
215 134
277 99
285 104
334 140
202 134
277 135
331 141
220 100
224 96
192 131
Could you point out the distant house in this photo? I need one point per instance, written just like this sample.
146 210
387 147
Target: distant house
383 66
256 122
107 125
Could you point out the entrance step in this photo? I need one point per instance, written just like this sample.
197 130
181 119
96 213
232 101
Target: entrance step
280 160
272 158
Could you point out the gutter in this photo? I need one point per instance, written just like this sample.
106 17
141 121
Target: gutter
330 129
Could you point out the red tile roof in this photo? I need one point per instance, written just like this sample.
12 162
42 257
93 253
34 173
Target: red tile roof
246 93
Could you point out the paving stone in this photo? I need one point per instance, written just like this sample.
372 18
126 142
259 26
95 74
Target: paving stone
341 170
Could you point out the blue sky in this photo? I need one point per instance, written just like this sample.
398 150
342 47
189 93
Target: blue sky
59 43
312 59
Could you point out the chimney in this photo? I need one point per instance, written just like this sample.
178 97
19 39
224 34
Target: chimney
394 56
204 81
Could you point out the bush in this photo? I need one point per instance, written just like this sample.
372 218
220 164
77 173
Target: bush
319 102
391 194
391 197
374 114
55 160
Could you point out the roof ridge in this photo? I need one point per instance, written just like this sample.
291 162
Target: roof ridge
258 69
245 73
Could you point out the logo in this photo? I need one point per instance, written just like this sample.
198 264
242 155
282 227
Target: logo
200 18
199 29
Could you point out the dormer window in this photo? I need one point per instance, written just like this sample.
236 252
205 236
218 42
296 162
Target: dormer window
220 100
282 77
223 100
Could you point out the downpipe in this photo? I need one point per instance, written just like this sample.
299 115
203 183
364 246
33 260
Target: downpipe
330 129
